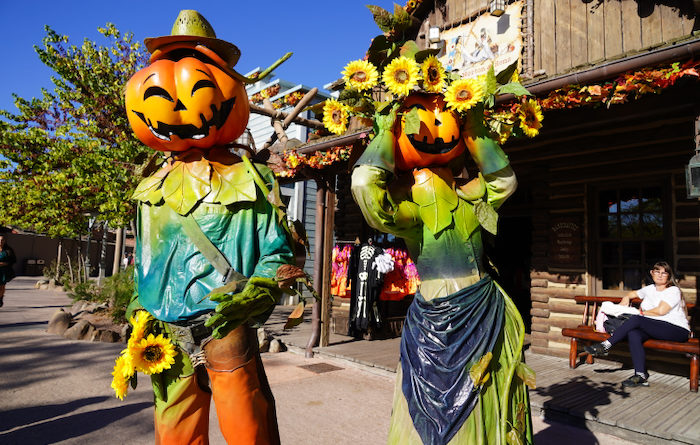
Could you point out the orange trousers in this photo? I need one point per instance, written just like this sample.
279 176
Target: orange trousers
242 396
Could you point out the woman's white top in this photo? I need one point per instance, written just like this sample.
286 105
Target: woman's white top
651 298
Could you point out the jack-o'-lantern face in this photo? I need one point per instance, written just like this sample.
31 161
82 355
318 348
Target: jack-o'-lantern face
439 140
177 104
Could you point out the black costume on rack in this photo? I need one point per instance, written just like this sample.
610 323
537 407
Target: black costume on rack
366 286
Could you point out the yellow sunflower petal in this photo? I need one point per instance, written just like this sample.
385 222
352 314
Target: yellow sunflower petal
120 381
401 75
361 75
153 354
335 116
463 94
433 75
530 118
139 322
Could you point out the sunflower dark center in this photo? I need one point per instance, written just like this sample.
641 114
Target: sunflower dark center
464 94
433 75
401 76
153 353
529 117
359 76
336 116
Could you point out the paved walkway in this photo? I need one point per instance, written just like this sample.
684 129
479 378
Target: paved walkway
55 390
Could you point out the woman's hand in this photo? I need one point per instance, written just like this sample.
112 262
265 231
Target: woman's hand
626 299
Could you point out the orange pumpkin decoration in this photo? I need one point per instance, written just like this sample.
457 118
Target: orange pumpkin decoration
174 105
439 140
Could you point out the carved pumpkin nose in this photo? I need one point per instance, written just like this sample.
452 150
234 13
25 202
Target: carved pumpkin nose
179 106
437 122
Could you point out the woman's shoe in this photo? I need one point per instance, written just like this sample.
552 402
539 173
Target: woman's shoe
634 381
596 350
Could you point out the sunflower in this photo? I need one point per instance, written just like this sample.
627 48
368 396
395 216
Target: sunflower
139 322
153 354
123 370
530 118
401 75
433 75
505 133
335 116
361 75
464 94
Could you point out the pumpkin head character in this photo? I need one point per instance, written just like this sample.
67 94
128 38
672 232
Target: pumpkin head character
189 96
439 139
175 104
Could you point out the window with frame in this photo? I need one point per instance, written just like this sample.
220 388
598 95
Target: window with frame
631 234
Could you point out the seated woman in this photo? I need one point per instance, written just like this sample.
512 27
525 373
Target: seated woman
663 316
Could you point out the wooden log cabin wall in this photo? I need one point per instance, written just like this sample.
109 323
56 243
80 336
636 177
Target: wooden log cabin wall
592 172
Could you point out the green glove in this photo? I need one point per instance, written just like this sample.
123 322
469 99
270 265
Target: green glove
234 309
485 151
380 151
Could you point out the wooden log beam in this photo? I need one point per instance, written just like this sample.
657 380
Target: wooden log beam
289 118
311 123
276 124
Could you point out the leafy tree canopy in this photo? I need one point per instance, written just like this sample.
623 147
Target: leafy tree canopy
71 152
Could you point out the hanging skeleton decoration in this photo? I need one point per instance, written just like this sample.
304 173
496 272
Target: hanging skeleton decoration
368 266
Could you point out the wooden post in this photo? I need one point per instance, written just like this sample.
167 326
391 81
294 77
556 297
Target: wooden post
58 260
118 251
328 223
318 269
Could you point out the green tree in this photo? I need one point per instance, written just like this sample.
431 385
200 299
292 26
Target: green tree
71 152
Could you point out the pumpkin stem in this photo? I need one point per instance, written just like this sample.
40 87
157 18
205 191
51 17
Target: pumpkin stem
264 74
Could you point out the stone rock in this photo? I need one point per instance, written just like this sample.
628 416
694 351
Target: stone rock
78 307
125 332
262 335
94 336
264 345
44 286
109 337
90 333
59 322
276 346
78 330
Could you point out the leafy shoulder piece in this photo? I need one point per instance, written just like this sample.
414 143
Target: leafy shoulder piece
187 184
149 189
219 178
230 184
435 198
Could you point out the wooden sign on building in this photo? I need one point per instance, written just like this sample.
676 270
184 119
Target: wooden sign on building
565 241
473 47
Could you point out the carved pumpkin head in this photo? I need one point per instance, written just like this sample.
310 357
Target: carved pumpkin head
439 140
185 100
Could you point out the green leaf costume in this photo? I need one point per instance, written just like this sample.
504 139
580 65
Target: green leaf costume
440 220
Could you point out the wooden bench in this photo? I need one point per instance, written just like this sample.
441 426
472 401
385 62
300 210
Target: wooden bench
587 334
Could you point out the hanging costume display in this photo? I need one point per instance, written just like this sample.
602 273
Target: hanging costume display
209 244
398 283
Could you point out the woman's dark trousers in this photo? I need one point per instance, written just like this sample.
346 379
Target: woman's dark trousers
637 329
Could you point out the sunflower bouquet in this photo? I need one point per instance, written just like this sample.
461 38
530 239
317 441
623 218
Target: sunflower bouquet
145 352
395 68
422 72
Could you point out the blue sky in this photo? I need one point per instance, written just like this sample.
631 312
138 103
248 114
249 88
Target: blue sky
323 35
